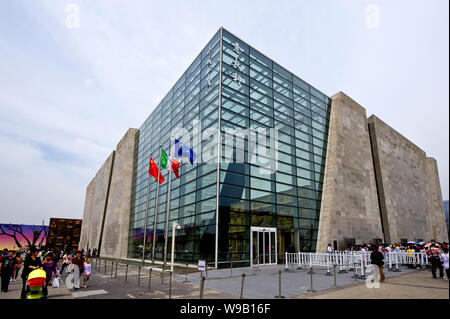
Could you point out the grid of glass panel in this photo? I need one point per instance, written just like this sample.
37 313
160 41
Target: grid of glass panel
193 195
258 93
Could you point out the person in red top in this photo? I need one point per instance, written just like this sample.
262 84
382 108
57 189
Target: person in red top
433 254
79 261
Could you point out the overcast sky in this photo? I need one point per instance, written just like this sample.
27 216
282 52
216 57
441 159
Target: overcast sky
69 92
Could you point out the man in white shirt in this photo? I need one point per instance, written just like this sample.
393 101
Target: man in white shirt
329 249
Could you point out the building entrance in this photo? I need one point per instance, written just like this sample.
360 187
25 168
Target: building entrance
264 246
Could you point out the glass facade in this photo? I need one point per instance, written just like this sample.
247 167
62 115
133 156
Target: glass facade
229 86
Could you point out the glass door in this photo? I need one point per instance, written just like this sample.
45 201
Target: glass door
264 246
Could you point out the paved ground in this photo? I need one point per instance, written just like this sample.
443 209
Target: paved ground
264 284
105 286
226 284
415 285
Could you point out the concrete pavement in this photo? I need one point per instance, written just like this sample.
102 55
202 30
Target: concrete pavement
258 284
413 285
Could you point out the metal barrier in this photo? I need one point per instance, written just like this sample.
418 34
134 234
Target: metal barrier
347 261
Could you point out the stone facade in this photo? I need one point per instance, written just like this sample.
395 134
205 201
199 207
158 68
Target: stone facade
94 208
117 218
349 202
87 214
377 186
408 186
435 203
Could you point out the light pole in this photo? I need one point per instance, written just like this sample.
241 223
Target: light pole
175 227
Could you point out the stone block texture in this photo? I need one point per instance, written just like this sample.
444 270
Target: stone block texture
408 186
435 203
87 214
349 207
106 217
94 206
117 218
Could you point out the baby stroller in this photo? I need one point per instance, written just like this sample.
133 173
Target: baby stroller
36 280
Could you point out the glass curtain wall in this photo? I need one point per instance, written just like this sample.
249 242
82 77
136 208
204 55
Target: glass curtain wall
193 196
257 93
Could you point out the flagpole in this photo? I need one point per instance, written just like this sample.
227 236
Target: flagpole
166 228
156 207
146 217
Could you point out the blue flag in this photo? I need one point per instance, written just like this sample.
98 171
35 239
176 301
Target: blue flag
182 150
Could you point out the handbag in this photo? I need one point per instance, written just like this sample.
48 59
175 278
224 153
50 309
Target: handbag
55 282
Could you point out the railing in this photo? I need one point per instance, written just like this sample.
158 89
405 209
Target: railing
349 260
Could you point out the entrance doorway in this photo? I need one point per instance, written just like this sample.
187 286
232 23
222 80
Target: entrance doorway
264 246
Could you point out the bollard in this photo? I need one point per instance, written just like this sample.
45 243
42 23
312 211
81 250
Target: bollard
354 269
115 275
149 278
299 264
242 286
328 273
186 273
202 283
231 270
139 276
334 271
105 266
279 286
112 267
162 275
126 273
287 262
170 285
390 262
396 266
363 271
311 289
206 269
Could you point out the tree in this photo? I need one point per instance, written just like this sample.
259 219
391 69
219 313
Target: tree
13 235
13 231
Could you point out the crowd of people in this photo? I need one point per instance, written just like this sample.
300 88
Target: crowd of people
437 254
53 262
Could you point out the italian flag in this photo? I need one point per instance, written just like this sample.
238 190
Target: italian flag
170 163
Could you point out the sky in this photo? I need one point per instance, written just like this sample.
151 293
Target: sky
75 75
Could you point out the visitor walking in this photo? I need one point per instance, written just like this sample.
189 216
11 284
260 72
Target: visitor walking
66 260
87 271
32 262
79 261
6 270
433 255
377 259
49 265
